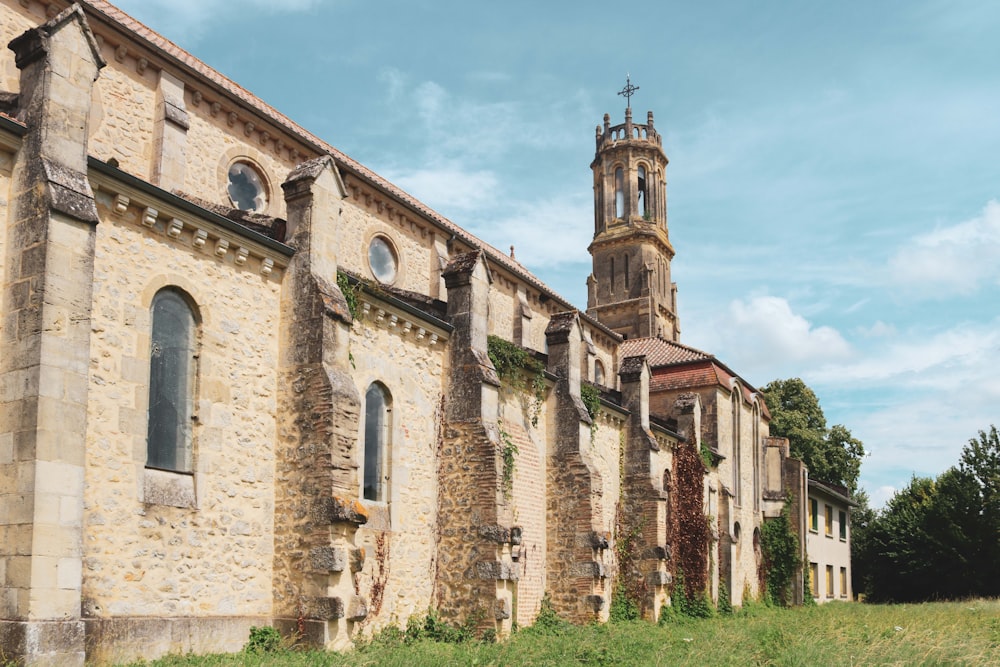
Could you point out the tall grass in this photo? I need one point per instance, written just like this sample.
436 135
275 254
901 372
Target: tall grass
952 633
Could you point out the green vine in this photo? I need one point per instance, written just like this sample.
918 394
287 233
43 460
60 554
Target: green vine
508 451
518 370
706 455
591 398
350 293
780 549
629 591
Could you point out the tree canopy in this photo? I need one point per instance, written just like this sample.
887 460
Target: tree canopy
832 455
939 538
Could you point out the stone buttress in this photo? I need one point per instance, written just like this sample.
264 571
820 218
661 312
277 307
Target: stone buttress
579 556
45 349
319 410
642 516
476 577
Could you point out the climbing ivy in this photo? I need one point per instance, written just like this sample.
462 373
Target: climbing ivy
508 452
780 549
626 598
691 531
591 398
350 293
518 370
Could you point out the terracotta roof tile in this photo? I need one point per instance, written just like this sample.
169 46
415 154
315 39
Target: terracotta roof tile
660 352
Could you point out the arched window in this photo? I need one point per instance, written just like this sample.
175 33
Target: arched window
619 193
737 487
172 372
756 456
598 372
642 193
377 410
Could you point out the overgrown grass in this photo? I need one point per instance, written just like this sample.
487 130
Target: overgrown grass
953 633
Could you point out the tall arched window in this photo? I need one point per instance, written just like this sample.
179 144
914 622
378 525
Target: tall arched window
172 372
642 192
377 409
619 193
737 487
598 372
756 455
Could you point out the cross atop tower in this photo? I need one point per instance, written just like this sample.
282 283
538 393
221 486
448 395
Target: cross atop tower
628 91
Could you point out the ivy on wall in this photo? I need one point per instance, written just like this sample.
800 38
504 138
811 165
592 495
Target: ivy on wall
691 532
591 398
518 370
780 549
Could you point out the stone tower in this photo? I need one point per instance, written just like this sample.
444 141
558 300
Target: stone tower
630 289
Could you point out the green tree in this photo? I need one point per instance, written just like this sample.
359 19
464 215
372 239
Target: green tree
938 538
832 455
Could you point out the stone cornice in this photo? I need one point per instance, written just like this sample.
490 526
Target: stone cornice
404 321
202 231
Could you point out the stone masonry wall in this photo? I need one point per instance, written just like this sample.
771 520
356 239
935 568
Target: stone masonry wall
400 537
14 20
527 505
148 559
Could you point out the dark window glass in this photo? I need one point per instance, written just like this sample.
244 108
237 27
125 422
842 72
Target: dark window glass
376 429
171 383
642 191
619 193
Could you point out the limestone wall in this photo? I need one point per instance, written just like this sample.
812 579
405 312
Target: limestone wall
123 109
400 537
527 502
365 217
212 557
213 145
14 20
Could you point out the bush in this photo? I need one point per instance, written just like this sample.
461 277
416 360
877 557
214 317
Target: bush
263 640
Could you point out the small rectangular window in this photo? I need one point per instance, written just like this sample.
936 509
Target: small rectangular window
843 525
828 518
829 581
843 582
814 579
813 518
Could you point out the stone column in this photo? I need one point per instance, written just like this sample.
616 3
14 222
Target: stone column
316 477
45 349
644 500
578 535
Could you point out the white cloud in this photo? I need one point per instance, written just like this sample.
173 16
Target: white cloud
763 336
448 187
949 359
951 260
878 330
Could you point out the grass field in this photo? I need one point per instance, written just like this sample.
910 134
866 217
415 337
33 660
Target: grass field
952 633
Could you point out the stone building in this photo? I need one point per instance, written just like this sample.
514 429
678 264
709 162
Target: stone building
245 380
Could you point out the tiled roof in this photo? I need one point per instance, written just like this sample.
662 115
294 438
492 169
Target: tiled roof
187 61
660 352
676 366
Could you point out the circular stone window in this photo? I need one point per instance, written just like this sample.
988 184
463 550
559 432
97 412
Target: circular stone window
382 259
246 188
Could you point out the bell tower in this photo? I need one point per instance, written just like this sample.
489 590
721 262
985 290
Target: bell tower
630 289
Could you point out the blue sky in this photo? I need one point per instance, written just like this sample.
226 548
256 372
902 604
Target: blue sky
833 184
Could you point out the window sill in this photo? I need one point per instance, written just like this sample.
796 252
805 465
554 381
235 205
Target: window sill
173 489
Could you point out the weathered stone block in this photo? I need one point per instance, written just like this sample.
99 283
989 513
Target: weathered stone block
659 578
324 608
357 609
328 559
501 609
595 602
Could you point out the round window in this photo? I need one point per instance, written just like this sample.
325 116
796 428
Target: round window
382 259
246 188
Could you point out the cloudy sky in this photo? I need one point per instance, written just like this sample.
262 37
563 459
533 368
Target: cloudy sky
834 168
